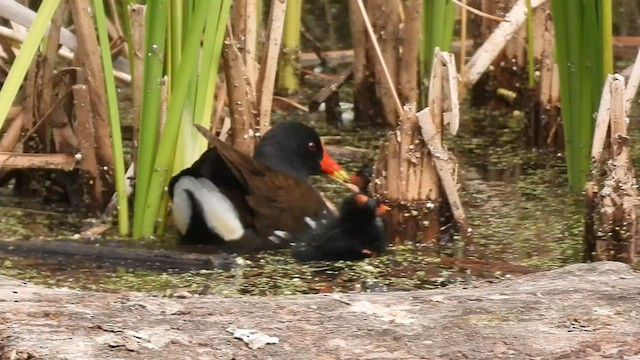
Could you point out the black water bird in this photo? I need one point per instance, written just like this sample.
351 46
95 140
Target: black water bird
356 233
244 204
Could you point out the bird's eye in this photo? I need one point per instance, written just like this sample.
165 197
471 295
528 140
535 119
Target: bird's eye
312 147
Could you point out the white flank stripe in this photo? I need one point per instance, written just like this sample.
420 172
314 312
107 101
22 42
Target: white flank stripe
282 234
279 236
310 222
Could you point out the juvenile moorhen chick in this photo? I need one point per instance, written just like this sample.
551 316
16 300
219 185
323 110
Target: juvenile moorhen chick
355 234
244 204
362 178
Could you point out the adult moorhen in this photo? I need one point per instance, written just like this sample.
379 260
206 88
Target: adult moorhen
355 234
243 204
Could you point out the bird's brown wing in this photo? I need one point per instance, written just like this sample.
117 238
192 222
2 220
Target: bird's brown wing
279 201
242 165
285 206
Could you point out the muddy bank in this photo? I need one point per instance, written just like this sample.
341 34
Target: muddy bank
585 311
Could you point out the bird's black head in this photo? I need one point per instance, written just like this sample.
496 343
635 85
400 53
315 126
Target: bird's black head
362 178
360 219
358 208
295 148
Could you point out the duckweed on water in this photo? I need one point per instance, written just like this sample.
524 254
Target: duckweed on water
529 220
265 274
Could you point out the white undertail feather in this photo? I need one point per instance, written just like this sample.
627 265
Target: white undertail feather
219 213
181 209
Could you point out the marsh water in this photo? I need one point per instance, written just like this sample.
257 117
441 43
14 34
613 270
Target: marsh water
515 196
522 217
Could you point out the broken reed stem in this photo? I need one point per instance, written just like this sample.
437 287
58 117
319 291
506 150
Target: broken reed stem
116 23
86 144
137 17
46 93
619 149
376 46
292 103
250 43
241 103
42 119
269 64
615 233
65 162
632 84
27 53
464 7
463 34
451 104
62 52
440 158
409 172
484 56
217 116
88 57
602 123
11 136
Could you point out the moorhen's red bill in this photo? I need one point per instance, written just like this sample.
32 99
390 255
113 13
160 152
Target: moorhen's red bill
244 204
357 233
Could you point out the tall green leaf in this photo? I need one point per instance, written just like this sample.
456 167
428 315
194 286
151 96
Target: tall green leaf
580 28
438 17
162 167
114 118
156 22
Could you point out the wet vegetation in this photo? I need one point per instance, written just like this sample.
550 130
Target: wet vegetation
523 219
522 215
